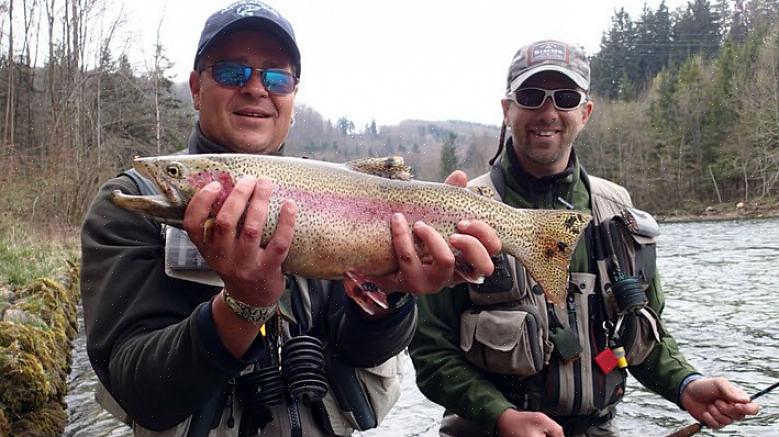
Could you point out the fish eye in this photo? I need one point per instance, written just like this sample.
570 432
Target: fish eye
173 171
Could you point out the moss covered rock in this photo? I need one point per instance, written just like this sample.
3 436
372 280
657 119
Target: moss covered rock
37 324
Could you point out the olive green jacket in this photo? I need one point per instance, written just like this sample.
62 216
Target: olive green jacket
444 374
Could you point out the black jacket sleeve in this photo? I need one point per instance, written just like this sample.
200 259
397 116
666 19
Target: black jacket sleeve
150 338
364 342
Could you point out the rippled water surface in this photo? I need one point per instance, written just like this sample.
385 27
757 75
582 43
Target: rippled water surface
722 285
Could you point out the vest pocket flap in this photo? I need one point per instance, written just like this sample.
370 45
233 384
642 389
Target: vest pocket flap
507 342
640 333
500 330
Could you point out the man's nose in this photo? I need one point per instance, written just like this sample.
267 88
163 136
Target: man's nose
547 109
254 85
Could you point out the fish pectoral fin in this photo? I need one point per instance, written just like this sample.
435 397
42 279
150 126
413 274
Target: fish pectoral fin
466 271
365 293
390 167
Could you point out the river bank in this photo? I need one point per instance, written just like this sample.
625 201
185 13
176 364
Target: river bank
757 209
38 306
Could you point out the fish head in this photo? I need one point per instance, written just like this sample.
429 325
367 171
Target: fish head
180 177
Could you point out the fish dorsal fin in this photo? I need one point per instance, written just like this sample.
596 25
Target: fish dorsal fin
483 191
390 167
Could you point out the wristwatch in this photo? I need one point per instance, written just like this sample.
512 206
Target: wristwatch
256 315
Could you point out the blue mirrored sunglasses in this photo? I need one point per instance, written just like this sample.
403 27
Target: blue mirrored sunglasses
534 98
275 80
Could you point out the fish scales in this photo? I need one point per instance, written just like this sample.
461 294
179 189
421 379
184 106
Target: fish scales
343 215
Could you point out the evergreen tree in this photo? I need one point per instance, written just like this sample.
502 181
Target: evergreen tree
371 130
737 32
696 31
661 30
615 60
345 126
449 162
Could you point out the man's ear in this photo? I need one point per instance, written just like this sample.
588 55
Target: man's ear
194 88
506 104
586 111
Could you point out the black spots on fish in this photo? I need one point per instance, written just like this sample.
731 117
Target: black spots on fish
553 249
570 223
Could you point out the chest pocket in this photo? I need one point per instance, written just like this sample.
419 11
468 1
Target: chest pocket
506 341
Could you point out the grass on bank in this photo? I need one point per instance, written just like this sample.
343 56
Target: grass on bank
27 253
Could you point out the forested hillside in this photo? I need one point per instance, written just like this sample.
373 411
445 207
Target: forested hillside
688 104
687 109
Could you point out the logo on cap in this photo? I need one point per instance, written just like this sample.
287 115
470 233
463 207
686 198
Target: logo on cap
548 51
249 9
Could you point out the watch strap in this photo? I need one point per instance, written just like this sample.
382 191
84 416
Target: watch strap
251 313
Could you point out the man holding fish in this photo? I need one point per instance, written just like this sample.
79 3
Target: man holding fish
202 330
509 358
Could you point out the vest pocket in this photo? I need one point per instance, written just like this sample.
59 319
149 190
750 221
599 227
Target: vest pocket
506 341
640 334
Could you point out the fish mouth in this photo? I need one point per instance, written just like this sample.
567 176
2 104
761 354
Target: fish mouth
147 168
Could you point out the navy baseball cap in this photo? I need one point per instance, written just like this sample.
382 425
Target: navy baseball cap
248 15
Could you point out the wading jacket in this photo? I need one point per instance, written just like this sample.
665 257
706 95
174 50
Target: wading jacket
151 338
478 355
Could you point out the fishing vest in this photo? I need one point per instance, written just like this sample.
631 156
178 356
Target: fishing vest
356 399
541 355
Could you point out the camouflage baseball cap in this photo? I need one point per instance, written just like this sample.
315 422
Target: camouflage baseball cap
549 55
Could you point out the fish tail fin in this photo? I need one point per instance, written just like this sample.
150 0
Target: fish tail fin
544 241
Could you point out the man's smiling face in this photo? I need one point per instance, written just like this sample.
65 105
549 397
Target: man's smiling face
543 137
245 119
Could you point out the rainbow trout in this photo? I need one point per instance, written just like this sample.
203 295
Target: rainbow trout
343 212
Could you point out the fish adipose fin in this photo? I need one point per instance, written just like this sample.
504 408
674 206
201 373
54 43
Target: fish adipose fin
390 167
483 191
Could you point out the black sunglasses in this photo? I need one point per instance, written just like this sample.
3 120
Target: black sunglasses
233 74
534 98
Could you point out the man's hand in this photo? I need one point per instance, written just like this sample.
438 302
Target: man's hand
475 240
716 402
250 273
513 423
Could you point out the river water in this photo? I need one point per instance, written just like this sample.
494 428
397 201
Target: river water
722 285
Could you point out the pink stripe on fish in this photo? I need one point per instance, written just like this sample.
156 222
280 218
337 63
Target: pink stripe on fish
361 209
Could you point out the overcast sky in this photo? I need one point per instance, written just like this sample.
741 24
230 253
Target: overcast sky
399 59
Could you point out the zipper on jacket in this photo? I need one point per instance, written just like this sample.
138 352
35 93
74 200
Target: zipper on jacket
577 365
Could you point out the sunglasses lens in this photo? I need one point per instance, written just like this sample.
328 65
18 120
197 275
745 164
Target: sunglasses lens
230 74
278 81
567 99
533 98
530 97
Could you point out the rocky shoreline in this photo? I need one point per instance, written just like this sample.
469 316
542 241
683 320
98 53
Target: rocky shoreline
765 209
